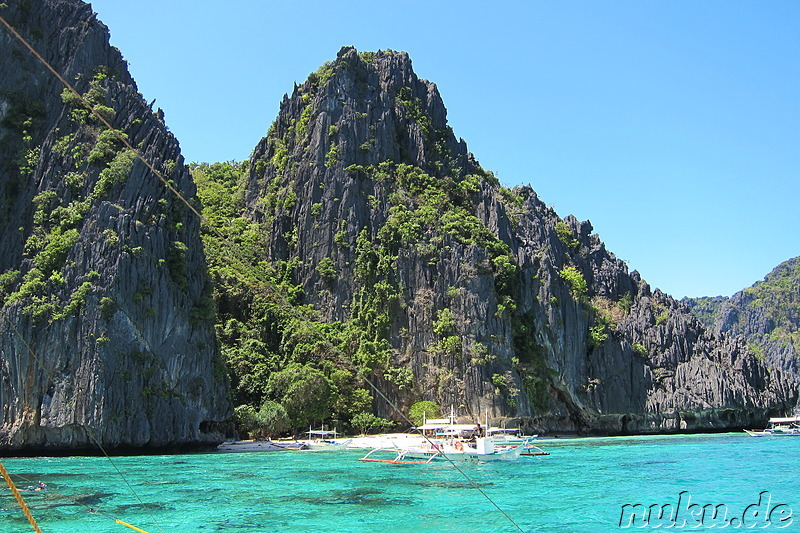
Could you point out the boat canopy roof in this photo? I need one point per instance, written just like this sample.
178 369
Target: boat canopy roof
503 430
320 432
785 420
447 427
438 421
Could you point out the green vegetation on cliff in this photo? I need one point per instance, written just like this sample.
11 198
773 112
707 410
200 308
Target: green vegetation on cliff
277 350
61 209
265 328
767 313
779 296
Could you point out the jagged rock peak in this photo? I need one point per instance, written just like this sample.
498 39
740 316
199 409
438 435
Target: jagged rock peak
361 109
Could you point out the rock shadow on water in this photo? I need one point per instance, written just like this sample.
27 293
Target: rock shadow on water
650 463
230 526
441 483
93 499
131 508
457 485
365 496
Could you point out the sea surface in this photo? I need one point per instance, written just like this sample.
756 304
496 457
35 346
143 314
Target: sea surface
582 486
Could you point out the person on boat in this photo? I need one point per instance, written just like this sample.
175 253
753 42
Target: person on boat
40 486
479 430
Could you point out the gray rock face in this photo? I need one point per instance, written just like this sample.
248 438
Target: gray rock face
547 324
767 316
107 329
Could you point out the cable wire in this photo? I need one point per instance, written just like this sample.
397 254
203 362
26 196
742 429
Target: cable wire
76 501
233 248
19 498
86 427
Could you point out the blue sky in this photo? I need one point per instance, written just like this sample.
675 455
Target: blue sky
674 127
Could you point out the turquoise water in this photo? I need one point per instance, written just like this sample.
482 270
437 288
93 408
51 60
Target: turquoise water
581 486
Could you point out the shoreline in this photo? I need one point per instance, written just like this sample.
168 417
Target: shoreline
399 440
357 442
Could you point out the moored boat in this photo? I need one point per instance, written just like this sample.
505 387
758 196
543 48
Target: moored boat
249 446
443 438
530 450
480 449
329 445
778 427
509 436
325 440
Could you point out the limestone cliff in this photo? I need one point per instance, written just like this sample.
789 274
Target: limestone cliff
491 299
767 315
106 332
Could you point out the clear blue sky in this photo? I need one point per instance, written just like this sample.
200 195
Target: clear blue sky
673 126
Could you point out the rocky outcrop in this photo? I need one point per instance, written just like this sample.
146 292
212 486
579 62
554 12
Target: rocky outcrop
107 330
767 316
493 301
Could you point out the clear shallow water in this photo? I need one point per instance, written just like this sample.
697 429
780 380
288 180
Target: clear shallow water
581 486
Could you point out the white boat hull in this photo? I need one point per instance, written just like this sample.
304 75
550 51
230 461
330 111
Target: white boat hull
778 427
329 446
768 433
249 446
429 452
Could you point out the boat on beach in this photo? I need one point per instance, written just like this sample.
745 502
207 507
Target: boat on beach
328 445
778 427
293 445
325 440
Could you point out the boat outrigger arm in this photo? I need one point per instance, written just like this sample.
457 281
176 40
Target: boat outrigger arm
400 459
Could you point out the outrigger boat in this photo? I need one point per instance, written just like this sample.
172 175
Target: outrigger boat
530 450
482 449
249 446
779 427
444 439
319 440
509 436
293 445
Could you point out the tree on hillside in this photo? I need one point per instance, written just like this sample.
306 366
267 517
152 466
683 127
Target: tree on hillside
363 422
421 411
304 392
272 418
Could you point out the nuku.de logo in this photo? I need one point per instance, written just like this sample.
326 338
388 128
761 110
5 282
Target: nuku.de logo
685 514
